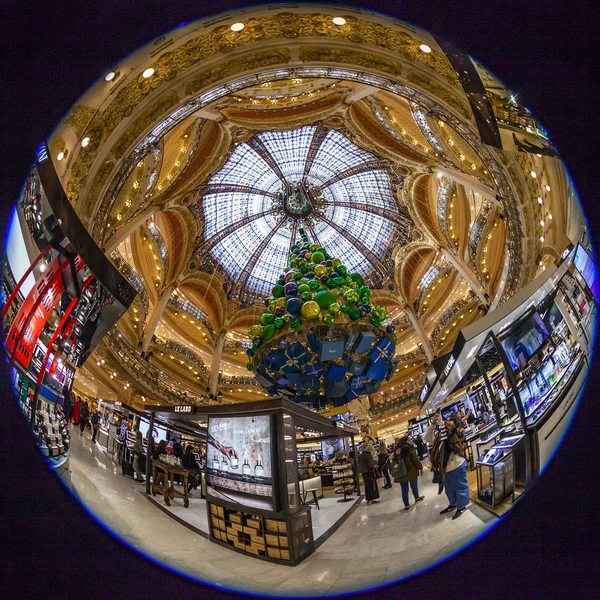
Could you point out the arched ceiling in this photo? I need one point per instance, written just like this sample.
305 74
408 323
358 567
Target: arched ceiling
183 184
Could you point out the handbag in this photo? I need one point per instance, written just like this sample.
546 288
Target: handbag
398 467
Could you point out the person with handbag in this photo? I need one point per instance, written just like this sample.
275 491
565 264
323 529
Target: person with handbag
406 468
449 462
384 467
366 466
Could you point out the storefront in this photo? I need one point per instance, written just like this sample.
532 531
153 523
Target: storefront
517 373
258 499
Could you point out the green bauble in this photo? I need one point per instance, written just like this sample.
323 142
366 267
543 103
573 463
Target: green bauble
353 285
303 287
278 323
318 257
299 262
297 276
249 366
293 263
351 297
310 310
278 291
305 238
341 269
324 299
287 317
364 291
313 247
269 332
394 337
329 263
328 319
303 269
354 314
356 277
267 318
375 321
313 284
345 308
303 281
335 308
380 312
306 296
295 323
308 257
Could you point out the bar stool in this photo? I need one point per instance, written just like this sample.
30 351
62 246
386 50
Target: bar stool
314 495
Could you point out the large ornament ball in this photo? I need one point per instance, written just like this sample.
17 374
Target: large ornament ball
345 308
357 277
313 284
303 287
335 262
305 238
353 285
298 276
308 257
335 308
320 270
314 247
324 299
255 330
354 314
267 318
291 289
306 296
328 319
269 332
351 297
318 257
362 310
380 312
279 311
303 269
293 263
278 323
289 276
295 323
341 269
249 366
329 263
323 279
281 302
294 306
303 253
310 310
375 321
367 307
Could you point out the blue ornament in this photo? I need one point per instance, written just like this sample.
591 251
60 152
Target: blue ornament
294 306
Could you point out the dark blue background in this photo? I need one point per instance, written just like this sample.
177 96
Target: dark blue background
53 51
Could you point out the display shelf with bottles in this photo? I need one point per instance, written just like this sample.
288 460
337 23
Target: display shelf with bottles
51 429
277 540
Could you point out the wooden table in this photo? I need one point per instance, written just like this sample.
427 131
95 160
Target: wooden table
167 489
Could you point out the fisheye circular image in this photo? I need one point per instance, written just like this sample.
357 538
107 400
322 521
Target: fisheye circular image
296 280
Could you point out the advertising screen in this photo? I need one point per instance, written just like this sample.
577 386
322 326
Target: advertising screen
16 253
524 341
585 265
553 317
238 461
331 447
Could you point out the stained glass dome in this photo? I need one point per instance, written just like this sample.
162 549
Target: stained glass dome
313 178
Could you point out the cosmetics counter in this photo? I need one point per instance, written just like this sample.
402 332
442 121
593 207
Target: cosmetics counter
256 499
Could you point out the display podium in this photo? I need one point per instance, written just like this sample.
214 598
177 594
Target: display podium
495 476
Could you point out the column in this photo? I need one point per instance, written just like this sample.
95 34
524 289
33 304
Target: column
416 323
471 183
468 275
215 362
155 314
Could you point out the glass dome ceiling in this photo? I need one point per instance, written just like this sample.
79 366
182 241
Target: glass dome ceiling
280 181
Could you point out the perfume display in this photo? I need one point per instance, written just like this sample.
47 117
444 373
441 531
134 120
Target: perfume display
246 470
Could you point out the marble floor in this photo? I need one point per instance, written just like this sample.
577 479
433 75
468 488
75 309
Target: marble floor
377 544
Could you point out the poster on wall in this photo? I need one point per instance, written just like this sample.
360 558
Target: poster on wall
238 461
331 448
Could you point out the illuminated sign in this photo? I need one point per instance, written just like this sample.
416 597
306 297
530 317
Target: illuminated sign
183 409
424 393
449 366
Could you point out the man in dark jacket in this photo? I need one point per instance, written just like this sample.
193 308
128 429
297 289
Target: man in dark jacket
84 415
384 466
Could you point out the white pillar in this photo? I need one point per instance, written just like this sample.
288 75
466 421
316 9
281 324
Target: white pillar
470 182
416 323
215 362
468 275
155 314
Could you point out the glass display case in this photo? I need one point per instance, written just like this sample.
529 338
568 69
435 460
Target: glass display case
495 476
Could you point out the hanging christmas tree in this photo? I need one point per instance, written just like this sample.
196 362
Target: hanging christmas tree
319 339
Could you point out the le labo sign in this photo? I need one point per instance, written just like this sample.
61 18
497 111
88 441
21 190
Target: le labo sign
184 409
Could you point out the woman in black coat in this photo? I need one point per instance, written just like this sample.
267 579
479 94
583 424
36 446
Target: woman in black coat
366 466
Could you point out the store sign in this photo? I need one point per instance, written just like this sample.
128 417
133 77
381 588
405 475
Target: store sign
424 393
183 409
449 366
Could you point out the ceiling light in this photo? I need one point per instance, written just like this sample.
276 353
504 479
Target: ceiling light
110 76
60 156
540 201
548 188
542 223
148 73
237 27
85 141
339 21
42 267
549 216
541 238
533 174
425 48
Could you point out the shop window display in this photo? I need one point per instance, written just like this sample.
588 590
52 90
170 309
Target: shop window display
265 252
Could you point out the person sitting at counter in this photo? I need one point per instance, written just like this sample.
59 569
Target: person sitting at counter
448 460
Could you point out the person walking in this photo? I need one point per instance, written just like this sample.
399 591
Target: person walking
138 453
95 424
84 415
67 403
366 466
407 453
448 459
189 463
76 409
384 467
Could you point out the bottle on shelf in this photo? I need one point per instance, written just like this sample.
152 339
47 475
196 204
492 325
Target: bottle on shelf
259 470
215 464
234 462
224 465
246 470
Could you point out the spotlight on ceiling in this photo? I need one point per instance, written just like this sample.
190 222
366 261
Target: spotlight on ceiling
148 73
110 76
85 141
237 27
339 21
425 48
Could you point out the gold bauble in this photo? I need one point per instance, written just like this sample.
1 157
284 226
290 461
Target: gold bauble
310 310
